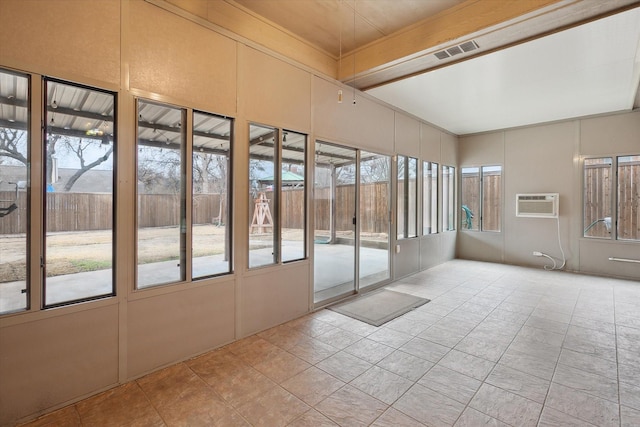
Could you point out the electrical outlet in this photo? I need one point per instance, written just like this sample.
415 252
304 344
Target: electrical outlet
536 253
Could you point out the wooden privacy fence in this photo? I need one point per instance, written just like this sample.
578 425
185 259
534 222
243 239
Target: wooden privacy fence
92 211
79 211
89 211
14 222
374 210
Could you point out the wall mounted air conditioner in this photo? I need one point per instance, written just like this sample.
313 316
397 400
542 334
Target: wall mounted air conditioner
539 205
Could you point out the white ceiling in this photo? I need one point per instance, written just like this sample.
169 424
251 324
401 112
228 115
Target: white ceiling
586 70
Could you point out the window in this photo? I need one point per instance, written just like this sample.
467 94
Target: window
429 198
294 196
597 197
407 197
491 198
210 199
448 198
161 244
600 188
14 187
374 218
470 198
171 246
79 153
481 198
277 201
628 198
262 181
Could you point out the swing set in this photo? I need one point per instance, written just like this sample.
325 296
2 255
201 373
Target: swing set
9 205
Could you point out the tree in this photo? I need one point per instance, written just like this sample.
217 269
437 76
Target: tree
159 170
80 150
13 145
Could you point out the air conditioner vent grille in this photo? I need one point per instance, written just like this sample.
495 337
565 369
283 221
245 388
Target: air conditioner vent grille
469 46
457 50
454 51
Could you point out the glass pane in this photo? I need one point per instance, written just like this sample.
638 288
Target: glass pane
375 192
79 164
293 190
597 197
401 195
448 198
262 181
412 198
334 243
211 248
491 198
14 182
628 198
470 197
161 195
429 198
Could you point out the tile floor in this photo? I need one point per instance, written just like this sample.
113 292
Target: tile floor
497 345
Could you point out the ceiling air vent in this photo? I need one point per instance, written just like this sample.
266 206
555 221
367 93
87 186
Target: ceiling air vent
456 50
468 46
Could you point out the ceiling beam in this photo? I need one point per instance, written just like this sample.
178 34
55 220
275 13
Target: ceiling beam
452 24
13 101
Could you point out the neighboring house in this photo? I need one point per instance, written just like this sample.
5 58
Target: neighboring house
92 181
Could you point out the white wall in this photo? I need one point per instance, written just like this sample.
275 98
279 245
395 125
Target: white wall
50 358
548 158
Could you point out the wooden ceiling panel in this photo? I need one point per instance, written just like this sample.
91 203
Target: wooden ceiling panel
324 23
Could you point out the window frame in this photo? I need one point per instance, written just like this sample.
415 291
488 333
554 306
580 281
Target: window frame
229 195
43 177
615 196
183 193
279 139
29 140
481 172
448 222
430 204
409 199
617 193
185 226
612 202
614 189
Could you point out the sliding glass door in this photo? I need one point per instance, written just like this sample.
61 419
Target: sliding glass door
335 217
351 236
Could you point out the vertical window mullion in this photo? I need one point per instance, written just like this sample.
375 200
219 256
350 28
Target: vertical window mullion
406 197
187 173
277 190
482 200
